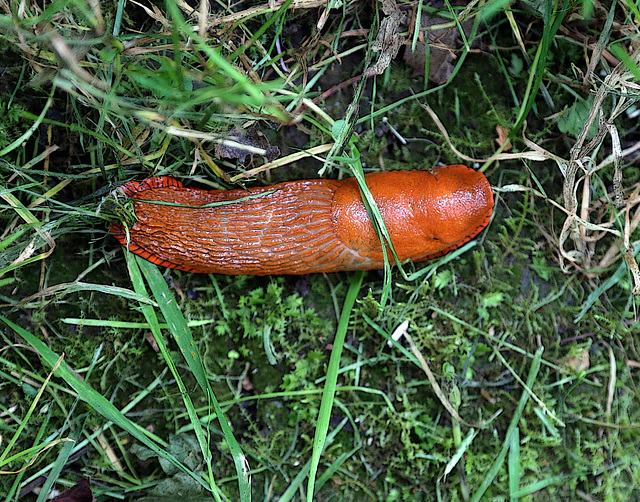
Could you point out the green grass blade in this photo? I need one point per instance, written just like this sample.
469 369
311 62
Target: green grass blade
182 334
58 465
25 421
335 465
497 464
34 127
281 12
297 482
553 17
619 52
615 278
328 395
559 480
514 465
95 400
149 313
42 430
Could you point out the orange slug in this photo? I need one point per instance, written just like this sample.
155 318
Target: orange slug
304 227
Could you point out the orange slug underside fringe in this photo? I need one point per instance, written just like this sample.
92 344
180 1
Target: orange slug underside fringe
304 227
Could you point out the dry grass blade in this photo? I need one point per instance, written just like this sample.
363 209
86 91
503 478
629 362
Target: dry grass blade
212 21
621 83
580 226
536 153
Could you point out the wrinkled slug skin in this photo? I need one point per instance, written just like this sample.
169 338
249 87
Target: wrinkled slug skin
308 226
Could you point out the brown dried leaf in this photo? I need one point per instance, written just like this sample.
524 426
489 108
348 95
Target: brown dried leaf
233 147
579 362
442 44
388 41
80 492
151 341
503 135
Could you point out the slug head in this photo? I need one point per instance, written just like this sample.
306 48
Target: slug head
427 213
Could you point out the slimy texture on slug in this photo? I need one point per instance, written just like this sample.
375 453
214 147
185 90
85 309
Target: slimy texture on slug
304 227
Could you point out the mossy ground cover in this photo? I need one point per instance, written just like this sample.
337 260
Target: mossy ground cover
516 376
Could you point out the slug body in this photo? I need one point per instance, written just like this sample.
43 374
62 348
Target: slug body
304 227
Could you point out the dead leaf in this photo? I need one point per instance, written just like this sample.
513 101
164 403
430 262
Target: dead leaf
151 340
232 147
579 362
503 135
442 45
388 41
247 385
80 492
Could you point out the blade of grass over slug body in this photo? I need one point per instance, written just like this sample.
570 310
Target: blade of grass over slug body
96 401
328 395
381 230
373 211
342 130
182 334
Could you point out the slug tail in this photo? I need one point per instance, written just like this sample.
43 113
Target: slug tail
133 187
119 233
130 189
